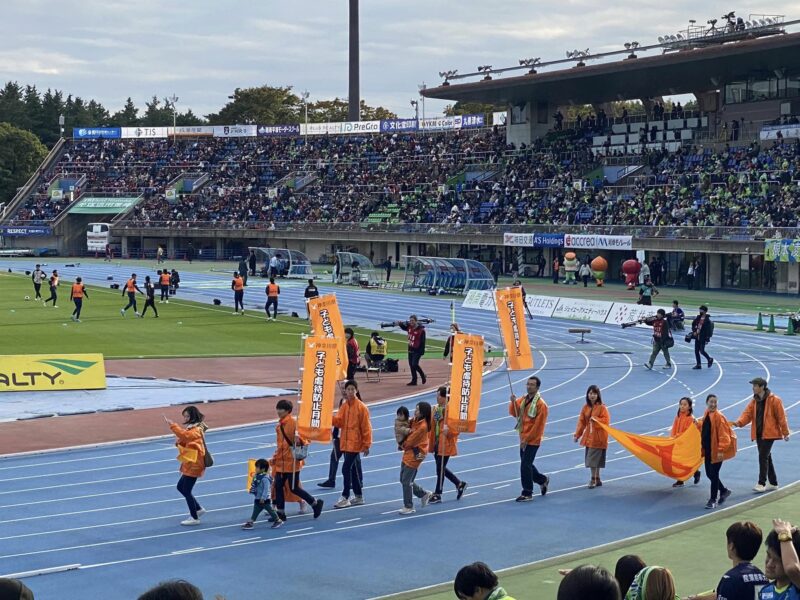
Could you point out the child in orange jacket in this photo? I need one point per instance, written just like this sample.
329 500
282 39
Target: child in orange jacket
683 420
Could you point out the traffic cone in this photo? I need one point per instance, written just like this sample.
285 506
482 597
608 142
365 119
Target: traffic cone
771 328
760 323
790 328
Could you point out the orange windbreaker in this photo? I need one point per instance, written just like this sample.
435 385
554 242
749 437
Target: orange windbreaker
775 425
681 423
418 438
448 442
591 435
355 430
721 438
191 439
282 460
532 429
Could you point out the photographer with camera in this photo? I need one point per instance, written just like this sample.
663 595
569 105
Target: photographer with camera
416 346
702 330
662 337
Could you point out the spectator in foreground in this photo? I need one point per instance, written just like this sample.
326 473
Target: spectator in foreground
627 568
177 589
13 589
782 565
589 581
478 582
652 583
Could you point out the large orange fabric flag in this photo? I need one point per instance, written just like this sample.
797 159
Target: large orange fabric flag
465 383
326 321
318 388
511 314
676 458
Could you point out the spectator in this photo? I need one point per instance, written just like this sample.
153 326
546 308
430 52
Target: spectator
627 568
588 581
13 589
652 583
177 589
478 582
782 565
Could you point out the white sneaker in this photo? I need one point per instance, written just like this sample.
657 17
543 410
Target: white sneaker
759 488
342 503
122 311
54 306
425 499
406 511
771 487
303 508
138 316
73 317
201 512
357 501
166 301
190 522
234 313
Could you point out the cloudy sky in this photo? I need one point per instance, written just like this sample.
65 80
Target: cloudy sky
202 49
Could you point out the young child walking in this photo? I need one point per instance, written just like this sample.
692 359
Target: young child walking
683 420
402 428
261 487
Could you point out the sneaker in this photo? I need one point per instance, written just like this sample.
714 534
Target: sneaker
772 486
138 315
54 306
327 484
460 490
592 484
73 318
546 483
248 525
303 508
524 498
697 477
201 512
122 311
166 301
342 503
697 368
412 383
667 366
711 504
77 320
710 362
406 511
317 507
724 496
648 366
425 499
424 379
277 524
598 483
677 484
759 488
357 501
190 522
435 499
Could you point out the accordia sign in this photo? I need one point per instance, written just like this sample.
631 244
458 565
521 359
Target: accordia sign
45 372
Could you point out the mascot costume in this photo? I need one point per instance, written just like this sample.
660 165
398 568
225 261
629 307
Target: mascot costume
570 268
631 270
599 267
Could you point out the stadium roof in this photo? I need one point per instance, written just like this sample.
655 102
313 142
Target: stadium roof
688 71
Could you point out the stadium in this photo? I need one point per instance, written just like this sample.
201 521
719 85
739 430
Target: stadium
524 259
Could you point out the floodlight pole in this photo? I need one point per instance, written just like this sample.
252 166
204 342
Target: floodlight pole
354 100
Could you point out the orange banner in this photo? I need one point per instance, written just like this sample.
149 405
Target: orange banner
511 315
465 383
315 419
326 321
251 472
676 458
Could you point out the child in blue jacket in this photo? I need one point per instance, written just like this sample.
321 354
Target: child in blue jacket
260 487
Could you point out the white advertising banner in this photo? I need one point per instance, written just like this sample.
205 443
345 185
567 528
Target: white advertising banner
478 299
145 132
541 306
361 127
518 239
582 310
441 123
599 242
57 194
320 128
787 131
192 131
235 131
622 312
499 117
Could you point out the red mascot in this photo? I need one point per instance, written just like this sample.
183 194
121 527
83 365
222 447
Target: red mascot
631 270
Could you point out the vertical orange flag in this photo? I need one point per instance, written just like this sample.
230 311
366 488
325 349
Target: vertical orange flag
511 315
251 472
315 419
465 383
326 321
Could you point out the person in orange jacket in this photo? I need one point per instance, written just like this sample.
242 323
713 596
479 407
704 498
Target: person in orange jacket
718 444
683 420
444 444
592 437
355 435
190 441
415 447
768 423
530 411
286 468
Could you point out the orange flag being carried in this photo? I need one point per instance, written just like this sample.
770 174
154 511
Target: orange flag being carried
465 383
676 458
511 315
314 421
326 321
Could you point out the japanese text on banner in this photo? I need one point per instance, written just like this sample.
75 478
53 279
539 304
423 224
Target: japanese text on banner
326 321
318 388
511 314
465 383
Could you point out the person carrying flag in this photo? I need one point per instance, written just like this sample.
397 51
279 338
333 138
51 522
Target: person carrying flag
53 289
530 411
592 437
444 444
237 285
355 435
131 288
150 296
77 294
717 446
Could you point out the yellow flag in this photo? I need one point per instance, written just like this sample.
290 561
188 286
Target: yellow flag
465 383
511 315
318 388
251 472
676 458
326 321
187 455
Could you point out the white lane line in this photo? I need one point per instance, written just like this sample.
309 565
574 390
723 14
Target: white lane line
500 487
245 540
294 531
188 550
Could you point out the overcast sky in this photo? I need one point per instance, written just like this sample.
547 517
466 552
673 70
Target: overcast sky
202 50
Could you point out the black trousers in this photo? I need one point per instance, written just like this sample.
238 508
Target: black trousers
151 302
294 485
336 455
131 301
700 348
351 370
78 305
53 295
38 289
238 300
185 486
274 303
353 476
413 362
712 472
442 473
766 470
528 472
164 292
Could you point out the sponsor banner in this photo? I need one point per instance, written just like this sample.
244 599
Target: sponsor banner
320 373
441 123
171 195
787 131
499 117
326 321
518 239
320 128
478 299
608 242
57 194
23 231
234 131
398 125
49 372
582 310
511 315
541 306
782 250
465 383
623 312
95 133
472 121
548 240
361 127
278 130
192 131
102 206
145 132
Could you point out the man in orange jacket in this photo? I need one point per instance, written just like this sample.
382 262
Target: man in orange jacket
768 423
530 411
355 435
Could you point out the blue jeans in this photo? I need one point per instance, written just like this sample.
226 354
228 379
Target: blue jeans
528 471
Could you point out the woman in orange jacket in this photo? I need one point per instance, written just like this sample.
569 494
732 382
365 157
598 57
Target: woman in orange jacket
592 437
355 435
286 468
191 454
683 420
718 445
415 447
444 444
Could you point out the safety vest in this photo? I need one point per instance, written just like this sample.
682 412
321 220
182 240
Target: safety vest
54 281
273 289
164 279
130 286
238 284
77 290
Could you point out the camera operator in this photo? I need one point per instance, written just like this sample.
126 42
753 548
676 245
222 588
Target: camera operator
416 346
702 330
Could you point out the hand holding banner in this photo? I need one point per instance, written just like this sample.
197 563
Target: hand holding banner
465 383
326 321
314 421
511 316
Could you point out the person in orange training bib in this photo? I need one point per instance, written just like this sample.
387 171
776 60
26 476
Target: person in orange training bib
272 291
77 294
131 288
